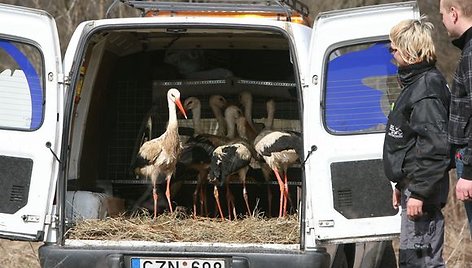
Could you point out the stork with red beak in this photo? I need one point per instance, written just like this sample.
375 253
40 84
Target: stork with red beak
157 158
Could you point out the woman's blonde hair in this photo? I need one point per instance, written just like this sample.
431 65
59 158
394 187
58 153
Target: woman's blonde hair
413 40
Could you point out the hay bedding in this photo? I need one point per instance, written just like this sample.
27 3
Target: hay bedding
182 228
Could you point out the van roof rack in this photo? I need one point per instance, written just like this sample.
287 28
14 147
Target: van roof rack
287 7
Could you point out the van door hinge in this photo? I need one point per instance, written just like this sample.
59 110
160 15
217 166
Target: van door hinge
310 226
63 79
303 83
49 219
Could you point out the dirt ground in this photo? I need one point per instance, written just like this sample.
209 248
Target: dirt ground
19 254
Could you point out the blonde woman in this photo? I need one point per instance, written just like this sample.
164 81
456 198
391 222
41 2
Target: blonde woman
416 151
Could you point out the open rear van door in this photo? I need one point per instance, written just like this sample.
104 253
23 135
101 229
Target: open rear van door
30 121
346 103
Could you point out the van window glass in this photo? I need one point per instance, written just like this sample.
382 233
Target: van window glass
21 87
360 88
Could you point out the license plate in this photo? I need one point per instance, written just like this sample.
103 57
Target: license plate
176 263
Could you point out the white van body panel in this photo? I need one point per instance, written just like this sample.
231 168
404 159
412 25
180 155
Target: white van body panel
331 30
37 29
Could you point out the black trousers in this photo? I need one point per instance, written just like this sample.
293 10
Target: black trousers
422 239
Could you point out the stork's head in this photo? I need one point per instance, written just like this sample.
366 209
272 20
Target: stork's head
232 113
245 98
192 103
174 95
218 101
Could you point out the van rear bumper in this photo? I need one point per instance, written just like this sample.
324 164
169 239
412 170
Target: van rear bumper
71 257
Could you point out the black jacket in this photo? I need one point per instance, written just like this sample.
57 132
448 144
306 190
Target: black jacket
416 151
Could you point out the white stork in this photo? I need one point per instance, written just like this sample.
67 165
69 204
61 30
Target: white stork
269 121
280 150
268 128
227 160
245 98
231 159
197 152
232 113
217 104
157 158
193 104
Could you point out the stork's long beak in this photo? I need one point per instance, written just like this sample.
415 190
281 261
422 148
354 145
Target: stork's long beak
181 107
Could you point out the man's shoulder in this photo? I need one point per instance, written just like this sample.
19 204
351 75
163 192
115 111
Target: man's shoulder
465 61
467 51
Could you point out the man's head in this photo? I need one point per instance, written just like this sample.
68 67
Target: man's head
456 16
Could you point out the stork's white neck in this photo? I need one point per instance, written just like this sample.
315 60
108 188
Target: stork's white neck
172 111
241 127
246 101
248 112
216 110
196 116
222 125
269 122
231 117
231 126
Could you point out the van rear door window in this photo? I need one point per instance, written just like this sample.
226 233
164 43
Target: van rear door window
21 86
360 88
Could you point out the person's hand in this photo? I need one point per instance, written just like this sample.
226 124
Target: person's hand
464 189
414 208
396 198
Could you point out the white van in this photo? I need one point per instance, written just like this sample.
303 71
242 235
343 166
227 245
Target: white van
72 125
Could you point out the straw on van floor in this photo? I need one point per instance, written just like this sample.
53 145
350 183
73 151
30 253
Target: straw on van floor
177 228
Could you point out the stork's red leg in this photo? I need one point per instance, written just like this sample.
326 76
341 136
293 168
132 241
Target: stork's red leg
199 195
154 197
246 199
195 196
203 203
217 198
168 192
269 199
285 193
281 188
242 175
230 202
266 173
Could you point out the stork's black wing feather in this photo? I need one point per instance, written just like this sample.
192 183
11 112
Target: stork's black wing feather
233 161
193 154
140 162
284 142
227 163
202 142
